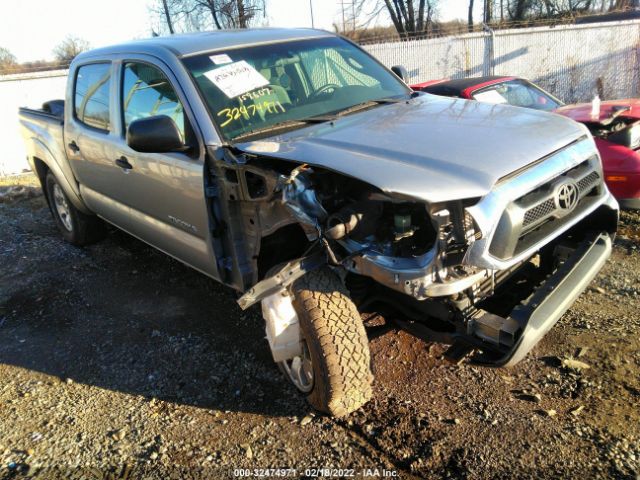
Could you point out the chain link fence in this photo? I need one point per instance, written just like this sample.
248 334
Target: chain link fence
574 62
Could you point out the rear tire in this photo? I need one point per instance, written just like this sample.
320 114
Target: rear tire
76 227
337 342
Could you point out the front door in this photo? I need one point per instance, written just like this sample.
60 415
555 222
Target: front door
165 203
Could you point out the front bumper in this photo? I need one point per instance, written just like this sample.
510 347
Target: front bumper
552 299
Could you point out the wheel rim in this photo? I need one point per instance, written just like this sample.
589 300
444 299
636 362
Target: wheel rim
62 207
300 370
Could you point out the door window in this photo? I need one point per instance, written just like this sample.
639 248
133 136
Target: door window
146 92
91 100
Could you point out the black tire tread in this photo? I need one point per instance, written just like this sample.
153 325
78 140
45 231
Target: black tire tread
87 229
337 338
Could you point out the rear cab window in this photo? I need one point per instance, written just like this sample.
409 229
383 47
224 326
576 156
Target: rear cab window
91 100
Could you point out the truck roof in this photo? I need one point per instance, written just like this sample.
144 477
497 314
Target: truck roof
184 45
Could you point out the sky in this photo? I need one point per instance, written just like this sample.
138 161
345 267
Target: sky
31 29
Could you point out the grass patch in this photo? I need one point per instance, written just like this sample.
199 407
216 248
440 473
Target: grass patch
23 179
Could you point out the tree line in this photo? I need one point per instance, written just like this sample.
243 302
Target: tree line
531 10
63 54
419 18
408 19
178 16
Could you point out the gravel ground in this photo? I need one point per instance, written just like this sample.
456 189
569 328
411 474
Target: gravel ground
119 362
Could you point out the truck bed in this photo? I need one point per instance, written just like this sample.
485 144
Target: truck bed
43 127
43 132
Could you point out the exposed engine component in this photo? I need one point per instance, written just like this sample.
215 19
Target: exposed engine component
358 220
621 132
402 224
393 229
299 196
407 246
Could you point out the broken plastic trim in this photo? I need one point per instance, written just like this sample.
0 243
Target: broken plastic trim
282 279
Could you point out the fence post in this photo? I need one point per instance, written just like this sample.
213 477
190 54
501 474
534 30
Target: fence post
488 67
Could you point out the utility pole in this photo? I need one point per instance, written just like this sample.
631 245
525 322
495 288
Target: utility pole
353 12
311 9
345 14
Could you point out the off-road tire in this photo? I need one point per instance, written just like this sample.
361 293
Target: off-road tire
337 342
85 229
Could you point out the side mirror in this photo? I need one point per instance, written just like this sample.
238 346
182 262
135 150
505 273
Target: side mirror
158 134
401 72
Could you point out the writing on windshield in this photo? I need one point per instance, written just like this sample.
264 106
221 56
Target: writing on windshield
257 87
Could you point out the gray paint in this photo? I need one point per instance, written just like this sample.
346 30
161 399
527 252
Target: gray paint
430 148
188 44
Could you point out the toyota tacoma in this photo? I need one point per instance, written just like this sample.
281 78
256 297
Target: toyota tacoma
293 167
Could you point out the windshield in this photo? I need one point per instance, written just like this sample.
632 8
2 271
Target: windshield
251 89
518 93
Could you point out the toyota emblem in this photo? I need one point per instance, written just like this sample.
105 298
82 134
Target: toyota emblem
567 196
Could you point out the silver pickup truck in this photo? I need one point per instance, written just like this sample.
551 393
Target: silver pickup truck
293 167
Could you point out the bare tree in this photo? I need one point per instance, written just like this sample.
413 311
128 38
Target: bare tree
7 60
70 48
535 9
232 13
411 17
167 16
488 11
190 15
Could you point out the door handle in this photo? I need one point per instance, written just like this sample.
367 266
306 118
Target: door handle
122 162
74 146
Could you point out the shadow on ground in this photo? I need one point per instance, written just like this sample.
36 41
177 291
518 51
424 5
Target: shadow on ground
122 316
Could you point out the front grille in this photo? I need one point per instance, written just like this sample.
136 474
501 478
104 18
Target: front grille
546 208
540 211
588 182
531 217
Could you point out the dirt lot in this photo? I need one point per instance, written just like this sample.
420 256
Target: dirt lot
119 362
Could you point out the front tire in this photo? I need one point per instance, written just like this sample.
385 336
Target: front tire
337 343
76 227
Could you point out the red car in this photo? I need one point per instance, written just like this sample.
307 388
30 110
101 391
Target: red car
616 129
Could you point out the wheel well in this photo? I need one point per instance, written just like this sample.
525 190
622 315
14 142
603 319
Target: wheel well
286 243
41 170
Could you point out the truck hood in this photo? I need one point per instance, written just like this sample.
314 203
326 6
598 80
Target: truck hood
430 148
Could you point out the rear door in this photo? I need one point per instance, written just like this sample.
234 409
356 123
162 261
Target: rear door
90 129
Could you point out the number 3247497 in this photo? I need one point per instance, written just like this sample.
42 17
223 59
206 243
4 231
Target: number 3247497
247 111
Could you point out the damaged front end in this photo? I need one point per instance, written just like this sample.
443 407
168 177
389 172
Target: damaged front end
406 245
430 267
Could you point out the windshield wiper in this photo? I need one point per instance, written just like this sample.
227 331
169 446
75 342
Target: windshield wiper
287 124
320 118
368 104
